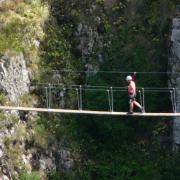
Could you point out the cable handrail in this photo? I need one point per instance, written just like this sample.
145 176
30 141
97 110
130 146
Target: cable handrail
53 85
108 91
110 72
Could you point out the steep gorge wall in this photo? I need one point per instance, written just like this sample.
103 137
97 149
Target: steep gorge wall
19 44
14 77
25 146
174 63
87 38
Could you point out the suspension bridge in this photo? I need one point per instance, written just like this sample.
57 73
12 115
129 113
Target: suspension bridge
86 112
51 92
55 96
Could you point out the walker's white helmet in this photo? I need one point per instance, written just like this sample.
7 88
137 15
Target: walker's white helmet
128 78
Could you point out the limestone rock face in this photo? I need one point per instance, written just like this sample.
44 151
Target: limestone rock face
90 41
174 63
66 162
14 79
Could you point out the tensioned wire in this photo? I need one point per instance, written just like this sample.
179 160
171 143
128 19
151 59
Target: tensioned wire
99 88
54 85
109 90
111 72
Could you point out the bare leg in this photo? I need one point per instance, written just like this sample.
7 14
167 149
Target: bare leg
131 106
137 104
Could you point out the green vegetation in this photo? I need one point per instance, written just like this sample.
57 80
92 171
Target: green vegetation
41 136
3 99
32 176
135 35
20 22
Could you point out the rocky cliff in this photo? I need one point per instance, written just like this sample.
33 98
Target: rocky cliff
81 35
25 146
174 63
14 76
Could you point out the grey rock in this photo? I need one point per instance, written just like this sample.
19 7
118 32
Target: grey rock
42 164
50 164
47 163
68 165
14 76
1 153
66 162
64 154
80 28
174 60
90 70
89 40
36 43
4 177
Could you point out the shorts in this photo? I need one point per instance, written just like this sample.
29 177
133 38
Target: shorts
132 98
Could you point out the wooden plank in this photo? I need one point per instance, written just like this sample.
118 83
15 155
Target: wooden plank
86 111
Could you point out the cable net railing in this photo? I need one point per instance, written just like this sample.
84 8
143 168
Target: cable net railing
103 98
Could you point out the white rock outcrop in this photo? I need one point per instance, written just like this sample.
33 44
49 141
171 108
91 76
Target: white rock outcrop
14 79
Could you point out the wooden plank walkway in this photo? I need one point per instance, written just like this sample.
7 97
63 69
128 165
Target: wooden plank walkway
86 111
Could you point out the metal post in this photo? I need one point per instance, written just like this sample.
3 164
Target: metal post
143 103
47 101
77 92
80 98
140 97
109 100
61 103
49 96
112 99
172 100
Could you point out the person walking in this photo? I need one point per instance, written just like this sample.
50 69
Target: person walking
132 93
